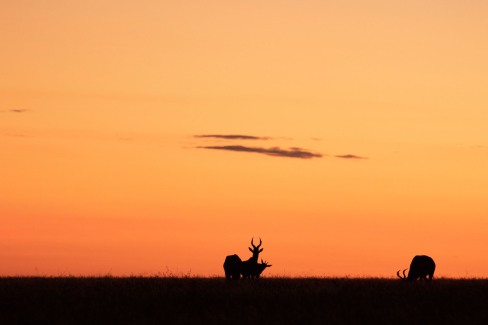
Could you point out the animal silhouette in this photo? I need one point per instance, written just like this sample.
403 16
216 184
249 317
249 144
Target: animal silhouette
234 266
421 267
248 267
258 269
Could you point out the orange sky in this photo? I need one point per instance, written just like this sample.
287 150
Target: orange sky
100 103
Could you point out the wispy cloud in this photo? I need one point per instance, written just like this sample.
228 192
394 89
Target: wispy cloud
17 110
350 157
231 137
273 151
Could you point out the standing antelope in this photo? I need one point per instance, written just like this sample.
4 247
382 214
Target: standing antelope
248 267
422 266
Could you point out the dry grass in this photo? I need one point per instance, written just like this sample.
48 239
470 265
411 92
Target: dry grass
174 300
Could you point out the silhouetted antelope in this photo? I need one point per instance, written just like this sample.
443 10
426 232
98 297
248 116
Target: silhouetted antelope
259 268
248 267
232 267
421 267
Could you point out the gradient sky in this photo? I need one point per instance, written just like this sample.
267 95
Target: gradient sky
160 136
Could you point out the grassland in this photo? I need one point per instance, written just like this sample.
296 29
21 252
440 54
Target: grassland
162 300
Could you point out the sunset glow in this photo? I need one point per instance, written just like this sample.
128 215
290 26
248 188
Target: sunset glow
158 137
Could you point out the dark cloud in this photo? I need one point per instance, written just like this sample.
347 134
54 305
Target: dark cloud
292 152
17 110
274 151
231 137
350 157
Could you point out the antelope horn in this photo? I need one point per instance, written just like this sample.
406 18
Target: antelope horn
260 242
398 274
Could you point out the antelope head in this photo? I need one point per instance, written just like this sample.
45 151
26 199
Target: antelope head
255 250
264 263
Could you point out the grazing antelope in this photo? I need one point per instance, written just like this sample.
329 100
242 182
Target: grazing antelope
232 267
422 266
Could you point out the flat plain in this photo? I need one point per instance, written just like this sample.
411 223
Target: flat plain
189 300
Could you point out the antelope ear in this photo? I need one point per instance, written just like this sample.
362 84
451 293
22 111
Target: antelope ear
261 250
269 265
251 249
